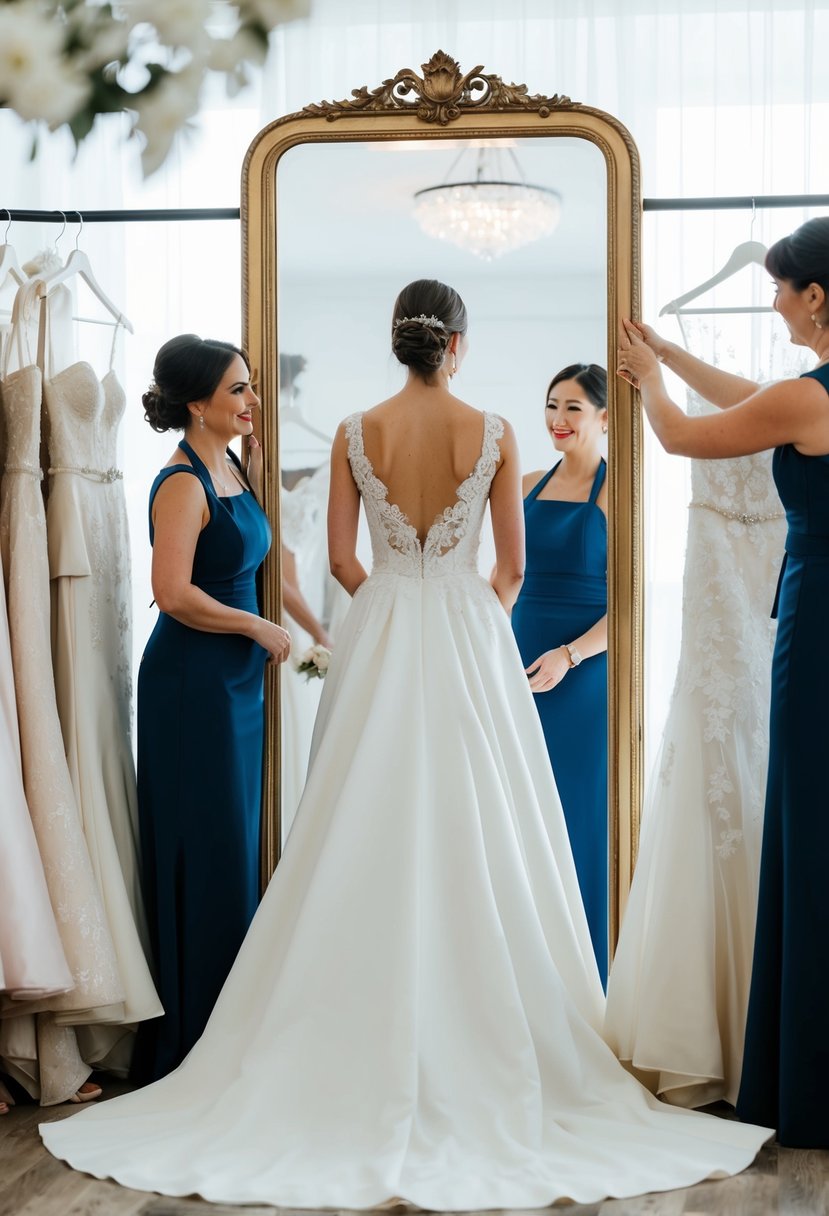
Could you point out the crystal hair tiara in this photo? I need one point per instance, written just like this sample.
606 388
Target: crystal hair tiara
433 322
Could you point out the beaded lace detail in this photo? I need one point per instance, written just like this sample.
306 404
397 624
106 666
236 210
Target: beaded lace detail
451 544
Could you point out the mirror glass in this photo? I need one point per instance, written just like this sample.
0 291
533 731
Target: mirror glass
347 242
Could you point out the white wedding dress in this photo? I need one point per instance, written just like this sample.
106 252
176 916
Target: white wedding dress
415 1012
678 989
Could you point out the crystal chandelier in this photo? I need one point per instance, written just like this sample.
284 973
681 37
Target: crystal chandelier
491 215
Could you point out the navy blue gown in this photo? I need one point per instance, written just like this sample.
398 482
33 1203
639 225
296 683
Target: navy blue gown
563 595
786 1061
200 731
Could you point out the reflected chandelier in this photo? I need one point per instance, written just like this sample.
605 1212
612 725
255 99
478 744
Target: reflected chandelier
491 215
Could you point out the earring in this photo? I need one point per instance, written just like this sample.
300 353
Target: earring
604 430
201 421
454 370
817 323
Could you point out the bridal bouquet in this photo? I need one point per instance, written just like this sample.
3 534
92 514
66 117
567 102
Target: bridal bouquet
64 62
314 662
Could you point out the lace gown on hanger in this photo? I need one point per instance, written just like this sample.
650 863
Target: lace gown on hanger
694 893
41 1054
414 1013
88 546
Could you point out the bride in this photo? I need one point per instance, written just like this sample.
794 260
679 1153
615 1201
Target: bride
415 1012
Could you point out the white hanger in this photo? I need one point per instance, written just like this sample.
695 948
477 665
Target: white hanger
78 264
292 413
747 254
9 265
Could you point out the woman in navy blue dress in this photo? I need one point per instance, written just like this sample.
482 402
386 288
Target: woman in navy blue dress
786 1060
200 691
560 622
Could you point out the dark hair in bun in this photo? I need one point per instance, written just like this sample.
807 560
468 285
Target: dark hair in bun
187 368
426 314
590 376
803 257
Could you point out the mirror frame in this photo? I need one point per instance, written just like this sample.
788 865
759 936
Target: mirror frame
447 104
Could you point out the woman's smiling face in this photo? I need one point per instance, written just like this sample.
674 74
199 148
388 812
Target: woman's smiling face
572 419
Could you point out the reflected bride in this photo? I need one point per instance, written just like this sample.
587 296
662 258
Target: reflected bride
414 1014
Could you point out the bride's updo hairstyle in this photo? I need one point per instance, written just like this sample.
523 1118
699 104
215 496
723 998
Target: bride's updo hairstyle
590 377
803 257
187 368
426 314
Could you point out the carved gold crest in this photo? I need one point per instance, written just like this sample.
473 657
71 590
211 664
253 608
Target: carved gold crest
441 95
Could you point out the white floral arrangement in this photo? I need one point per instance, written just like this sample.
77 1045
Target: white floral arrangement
65 62
314 662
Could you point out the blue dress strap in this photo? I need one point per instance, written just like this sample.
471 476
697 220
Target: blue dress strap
598 481
536 490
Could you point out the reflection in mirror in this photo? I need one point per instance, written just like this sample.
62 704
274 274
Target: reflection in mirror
348 241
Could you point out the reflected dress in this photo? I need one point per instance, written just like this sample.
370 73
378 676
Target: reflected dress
415 1011
563 595
786 1057
200 731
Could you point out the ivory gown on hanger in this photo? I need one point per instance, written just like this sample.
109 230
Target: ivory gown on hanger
88 546
32 961
678 989
41 1054
415 1011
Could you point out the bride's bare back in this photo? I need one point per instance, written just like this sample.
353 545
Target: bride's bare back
422 444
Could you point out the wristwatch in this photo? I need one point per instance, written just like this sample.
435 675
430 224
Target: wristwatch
573 654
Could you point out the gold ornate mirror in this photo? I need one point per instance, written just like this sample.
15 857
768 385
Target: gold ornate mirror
330 235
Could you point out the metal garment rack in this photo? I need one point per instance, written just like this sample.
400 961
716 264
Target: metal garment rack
745 202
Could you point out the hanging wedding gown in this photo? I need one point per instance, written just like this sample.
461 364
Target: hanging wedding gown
32 961
88 546
39 1052
304 531
678 988
415 1011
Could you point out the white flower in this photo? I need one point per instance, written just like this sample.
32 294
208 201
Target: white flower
34 81
163 111
51 93
322 657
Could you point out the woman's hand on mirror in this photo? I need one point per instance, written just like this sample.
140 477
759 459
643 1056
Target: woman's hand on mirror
548 670
635 361
659 345
274 639
254 469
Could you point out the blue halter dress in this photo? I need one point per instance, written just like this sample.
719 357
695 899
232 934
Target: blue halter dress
200 732
563 595
786 1058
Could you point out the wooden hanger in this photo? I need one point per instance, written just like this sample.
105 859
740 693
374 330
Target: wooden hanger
747 254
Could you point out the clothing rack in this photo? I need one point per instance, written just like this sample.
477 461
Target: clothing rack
129 215
746 202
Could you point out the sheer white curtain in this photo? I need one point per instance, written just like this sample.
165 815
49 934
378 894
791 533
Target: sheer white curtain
721 96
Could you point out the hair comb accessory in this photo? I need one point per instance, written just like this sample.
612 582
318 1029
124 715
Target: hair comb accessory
433 322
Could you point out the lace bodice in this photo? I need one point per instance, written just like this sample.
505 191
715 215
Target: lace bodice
451 545
740 489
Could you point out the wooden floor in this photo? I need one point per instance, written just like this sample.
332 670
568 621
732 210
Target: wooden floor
792 1182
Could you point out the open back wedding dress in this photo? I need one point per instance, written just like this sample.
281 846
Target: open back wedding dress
414 1013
